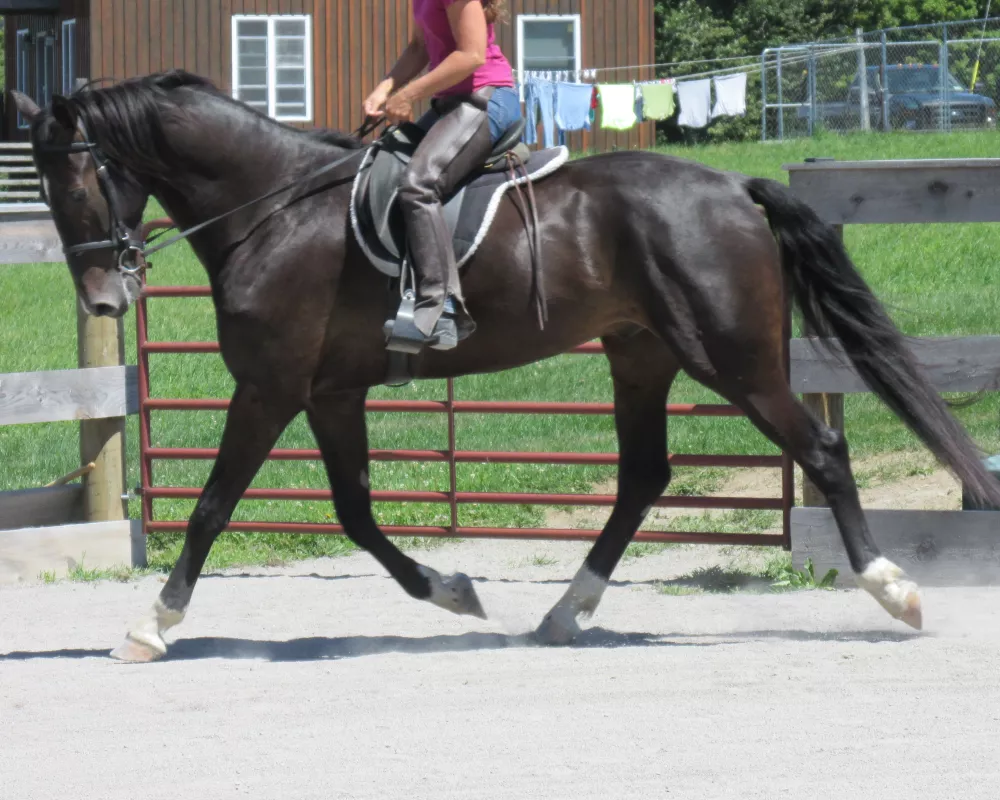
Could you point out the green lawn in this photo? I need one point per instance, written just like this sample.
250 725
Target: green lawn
937 280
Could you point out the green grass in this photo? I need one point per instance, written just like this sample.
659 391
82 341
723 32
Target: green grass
937 280
776 575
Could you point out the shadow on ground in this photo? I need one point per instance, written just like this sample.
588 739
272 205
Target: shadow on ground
333 648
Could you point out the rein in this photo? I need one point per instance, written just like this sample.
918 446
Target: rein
133 250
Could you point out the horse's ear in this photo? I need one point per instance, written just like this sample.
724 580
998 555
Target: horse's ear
29 108
64 112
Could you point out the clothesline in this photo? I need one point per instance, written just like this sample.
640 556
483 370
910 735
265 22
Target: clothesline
750 68
562 104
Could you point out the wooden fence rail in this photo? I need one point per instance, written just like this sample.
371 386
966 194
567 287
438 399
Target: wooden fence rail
936 547
55 528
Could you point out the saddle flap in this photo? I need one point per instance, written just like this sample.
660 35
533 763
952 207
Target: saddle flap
376 218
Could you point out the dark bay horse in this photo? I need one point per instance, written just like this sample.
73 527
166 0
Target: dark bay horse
670 263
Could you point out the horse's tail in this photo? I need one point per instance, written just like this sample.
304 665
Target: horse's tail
836 301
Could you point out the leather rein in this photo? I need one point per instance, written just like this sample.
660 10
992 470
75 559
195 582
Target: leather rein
133 245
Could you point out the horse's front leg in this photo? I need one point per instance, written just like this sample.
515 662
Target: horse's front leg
253 425
338 423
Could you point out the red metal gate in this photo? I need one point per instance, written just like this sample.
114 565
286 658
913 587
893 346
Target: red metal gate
452 457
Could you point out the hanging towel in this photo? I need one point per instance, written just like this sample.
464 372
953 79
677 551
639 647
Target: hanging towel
696 102
730 96
573 106
658 100
617 106
539 99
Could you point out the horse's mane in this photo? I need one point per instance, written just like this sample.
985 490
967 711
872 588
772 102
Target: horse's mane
126 118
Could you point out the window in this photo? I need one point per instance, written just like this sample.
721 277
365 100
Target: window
68 56
272 65
45 70
23 55
548 43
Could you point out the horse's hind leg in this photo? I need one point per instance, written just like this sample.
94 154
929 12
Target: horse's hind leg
743 362
338 423
822 453
642 369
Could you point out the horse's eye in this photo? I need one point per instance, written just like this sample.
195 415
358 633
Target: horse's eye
79 195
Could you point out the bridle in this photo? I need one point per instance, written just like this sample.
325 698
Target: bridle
132 245
129 246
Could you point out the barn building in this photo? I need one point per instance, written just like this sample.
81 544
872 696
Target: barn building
309 62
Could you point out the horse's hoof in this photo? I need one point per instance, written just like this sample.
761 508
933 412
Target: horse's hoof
133 651
557 629
887 584
465 599
913 616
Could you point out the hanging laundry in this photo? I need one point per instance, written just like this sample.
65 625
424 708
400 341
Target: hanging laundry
617 105
695 98
573 106
638 103
539 100
658 100
730 95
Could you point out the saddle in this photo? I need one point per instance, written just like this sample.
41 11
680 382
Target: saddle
377 220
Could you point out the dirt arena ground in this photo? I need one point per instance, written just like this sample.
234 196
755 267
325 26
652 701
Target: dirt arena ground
323 680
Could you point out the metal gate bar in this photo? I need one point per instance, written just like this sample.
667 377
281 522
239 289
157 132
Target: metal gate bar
452 456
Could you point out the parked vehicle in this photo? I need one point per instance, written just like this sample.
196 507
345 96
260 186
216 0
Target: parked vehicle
916 98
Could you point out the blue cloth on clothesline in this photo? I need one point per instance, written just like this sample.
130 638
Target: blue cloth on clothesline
573 106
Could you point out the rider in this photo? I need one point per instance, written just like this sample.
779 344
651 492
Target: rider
473 103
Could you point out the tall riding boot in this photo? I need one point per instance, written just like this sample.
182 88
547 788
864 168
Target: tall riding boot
454 147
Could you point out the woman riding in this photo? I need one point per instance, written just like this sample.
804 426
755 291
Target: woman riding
473 102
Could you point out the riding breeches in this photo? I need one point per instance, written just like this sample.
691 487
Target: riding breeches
457 142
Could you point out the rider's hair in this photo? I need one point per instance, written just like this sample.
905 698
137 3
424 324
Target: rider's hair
495 10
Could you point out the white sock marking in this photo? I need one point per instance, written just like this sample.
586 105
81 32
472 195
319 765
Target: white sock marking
581 598
149 629
884 581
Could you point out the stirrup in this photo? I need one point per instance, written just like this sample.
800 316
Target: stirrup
401 334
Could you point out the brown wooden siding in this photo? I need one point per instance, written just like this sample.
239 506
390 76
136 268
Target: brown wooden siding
354 43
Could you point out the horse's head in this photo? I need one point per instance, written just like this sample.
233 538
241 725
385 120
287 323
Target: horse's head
96 206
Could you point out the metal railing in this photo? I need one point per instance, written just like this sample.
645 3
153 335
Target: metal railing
451 455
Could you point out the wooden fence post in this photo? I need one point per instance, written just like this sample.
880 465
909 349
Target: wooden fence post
101 343
830 409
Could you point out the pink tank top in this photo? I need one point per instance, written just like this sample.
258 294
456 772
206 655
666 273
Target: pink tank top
432 17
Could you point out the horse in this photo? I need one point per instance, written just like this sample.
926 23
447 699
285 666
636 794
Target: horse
671 264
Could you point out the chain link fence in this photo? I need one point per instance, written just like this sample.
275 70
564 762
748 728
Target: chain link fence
940 77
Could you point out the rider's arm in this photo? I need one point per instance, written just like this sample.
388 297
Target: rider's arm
468 26
410 64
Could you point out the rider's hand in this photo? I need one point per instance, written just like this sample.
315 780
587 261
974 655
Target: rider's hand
375 103
399 108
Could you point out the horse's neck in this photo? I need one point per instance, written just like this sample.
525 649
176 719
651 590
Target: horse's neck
203 187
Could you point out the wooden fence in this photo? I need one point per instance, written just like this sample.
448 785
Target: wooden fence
55 527
944 547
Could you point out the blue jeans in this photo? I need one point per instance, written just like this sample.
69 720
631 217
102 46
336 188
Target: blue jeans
503 110
540 96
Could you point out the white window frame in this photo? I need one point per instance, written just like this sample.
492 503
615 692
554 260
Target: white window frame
577 39
22 59
272 66
68 56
